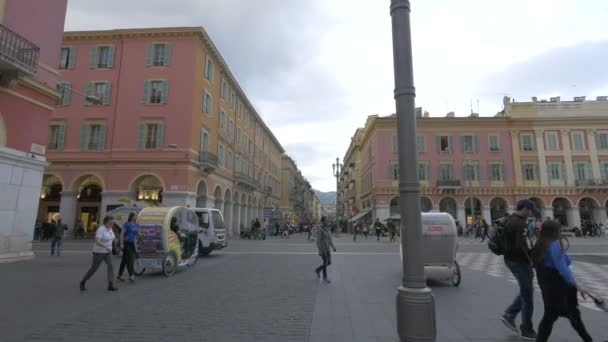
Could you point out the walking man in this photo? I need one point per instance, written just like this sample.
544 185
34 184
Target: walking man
378 227
324 242
129 234
517 259
355 231
57 236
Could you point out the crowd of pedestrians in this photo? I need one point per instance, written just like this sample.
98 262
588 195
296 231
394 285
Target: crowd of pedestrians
376 228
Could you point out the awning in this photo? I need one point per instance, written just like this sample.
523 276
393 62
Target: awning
359 215
394 217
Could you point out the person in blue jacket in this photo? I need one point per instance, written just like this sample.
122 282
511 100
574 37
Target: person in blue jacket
557 283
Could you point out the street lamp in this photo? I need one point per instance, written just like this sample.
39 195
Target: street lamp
337 168
415 302
469 174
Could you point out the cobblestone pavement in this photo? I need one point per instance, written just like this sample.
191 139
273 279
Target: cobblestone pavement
257 291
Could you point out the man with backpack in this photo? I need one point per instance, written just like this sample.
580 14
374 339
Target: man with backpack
510 241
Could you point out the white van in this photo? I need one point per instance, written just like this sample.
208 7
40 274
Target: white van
212 232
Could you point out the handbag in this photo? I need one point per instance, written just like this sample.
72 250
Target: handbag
115 249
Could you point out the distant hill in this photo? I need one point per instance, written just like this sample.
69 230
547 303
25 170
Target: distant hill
326 198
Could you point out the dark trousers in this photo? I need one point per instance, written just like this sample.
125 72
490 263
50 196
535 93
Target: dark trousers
97 259
326 257
128 258
524 300
355 236
546 325
56 243
378 233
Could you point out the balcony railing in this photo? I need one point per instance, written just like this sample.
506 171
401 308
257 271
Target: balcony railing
591 183
17 53
243 179
448 183
208 161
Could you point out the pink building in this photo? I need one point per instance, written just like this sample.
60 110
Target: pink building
171 125
30 38
481 166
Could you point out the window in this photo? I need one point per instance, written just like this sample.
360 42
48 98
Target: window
444 143
471 171
529 172
67 59
99 90
238 135
238 164
151 135
446 172
468 144
223 90
578 143
220 154
92 137
605 171
552 141
56 137
209 70
207 103
602 141
158 54
555 170
102 57
231 130
420 144
155 92
424 171
395 171
229 160
222 119
65 89
581 170
496 172
204 141
494 143
526 142
232 100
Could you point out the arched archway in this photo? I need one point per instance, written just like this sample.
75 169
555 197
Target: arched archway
227 212
394 206
88 190
3 134
561 206
50 198
472 209
426 205
449 205
498 208
148 188
243 216
587 207
236 213
219 202
201 194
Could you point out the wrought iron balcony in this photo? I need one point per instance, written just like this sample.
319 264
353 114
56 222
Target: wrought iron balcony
448 183
18 56
208 161
591 183
244 180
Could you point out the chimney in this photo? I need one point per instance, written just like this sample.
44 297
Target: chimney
579 99
555 99
534 99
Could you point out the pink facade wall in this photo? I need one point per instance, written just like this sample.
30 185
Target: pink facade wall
26 123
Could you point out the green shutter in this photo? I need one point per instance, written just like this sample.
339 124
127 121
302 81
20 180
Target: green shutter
597 141
451 143
202 147
60 137
478 172
146 97
93 63
149 54
475 143
83 136
102 138
141 136
110 57
462 144
165 95
490 174
90 90
107 93
438 143
168 54
428 171
67 94
160 135
72 58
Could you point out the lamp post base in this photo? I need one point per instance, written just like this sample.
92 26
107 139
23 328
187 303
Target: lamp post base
416 314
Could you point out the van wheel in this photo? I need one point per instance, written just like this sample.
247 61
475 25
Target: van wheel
169 264
203 251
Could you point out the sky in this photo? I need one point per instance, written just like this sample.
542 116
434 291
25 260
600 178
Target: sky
315 69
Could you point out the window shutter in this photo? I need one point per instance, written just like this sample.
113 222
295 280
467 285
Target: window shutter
451 143
67 94
165 94
202 147
90 90
168 54
476 143
490 173
478 172
110 57
141 136
146 97
72 58
149 54
102 138
83 136
107 93
438 143
598 145
428 172
462 144
60 137
93 64
160 135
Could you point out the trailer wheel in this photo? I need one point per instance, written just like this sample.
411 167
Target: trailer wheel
456 276
169 264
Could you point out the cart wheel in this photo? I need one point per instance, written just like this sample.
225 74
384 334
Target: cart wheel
138 270
456 277
202 251
169 264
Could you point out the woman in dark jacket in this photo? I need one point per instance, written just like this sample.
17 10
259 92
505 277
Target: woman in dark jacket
557 283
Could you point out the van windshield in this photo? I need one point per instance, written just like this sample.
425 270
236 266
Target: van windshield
203 219
218 221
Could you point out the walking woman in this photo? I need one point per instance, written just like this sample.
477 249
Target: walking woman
129 233
557 283
102 251
324 242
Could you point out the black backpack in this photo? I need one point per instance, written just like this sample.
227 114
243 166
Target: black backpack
498 242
